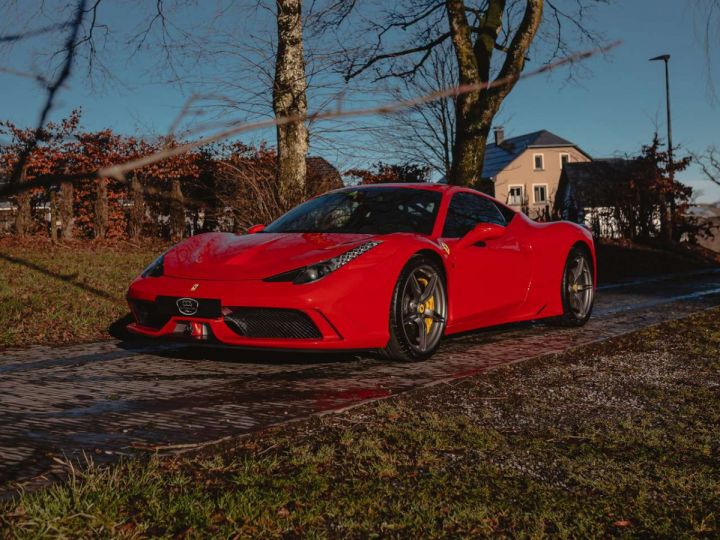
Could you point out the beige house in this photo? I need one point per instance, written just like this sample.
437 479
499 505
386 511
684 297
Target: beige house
525 170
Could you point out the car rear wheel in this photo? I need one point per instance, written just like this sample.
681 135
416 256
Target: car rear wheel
418 313
578 290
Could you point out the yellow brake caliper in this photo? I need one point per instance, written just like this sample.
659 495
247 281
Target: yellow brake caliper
429 304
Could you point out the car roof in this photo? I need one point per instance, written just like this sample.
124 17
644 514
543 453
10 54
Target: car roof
430 186
427 186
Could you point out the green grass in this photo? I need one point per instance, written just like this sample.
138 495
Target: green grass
64 294
615 439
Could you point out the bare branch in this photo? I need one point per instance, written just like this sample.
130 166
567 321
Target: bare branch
426 48
515 59
39 78
34 33
710 164
52 90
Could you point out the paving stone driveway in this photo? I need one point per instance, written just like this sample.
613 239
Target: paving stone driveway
113 398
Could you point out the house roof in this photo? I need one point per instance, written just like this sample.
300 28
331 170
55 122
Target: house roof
591 183
499 157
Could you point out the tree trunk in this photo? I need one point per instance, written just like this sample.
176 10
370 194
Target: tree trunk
469 152
53 217
210 218
137 212
23 217
289 99
101 209
177 212
66 210
475 110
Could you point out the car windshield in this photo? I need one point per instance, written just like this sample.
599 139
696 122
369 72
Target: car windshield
364 211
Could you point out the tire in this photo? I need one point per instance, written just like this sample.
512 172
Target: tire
418 311
577 289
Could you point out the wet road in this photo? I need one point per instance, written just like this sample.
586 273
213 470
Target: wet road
114 398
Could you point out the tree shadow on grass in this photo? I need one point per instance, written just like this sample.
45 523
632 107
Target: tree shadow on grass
71 279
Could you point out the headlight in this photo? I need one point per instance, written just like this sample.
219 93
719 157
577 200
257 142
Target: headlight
319 270
155 269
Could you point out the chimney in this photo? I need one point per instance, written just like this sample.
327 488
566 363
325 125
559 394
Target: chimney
499 135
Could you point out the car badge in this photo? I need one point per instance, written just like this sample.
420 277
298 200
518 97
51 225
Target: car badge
187 306
194 287
445 247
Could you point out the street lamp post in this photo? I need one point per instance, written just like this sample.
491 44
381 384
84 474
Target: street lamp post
669 208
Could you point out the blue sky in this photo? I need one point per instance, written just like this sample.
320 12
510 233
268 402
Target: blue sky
612 110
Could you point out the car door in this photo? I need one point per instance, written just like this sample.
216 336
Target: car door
490 279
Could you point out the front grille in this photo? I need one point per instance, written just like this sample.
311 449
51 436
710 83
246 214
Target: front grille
271 323
147 314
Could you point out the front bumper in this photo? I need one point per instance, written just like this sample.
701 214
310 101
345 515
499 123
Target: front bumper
347 310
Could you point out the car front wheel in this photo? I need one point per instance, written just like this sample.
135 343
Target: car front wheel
418 312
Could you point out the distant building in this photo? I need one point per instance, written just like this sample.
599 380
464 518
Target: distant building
586 193
708 214
525 170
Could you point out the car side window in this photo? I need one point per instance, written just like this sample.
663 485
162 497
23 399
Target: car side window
466 210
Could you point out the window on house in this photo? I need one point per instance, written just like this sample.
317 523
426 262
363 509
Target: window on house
539 162
540 193
466 210
515 195
564 160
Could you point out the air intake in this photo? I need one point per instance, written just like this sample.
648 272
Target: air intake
271 323
147 314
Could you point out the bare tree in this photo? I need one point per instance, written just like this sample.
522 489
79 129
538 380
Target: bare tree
475 111
491 40
425 133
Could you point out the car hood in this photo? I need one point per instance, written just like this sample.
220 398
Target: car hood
231 257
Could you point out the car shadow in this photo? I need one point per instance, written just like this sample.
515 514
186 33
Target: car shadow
118 329
223 353
491 333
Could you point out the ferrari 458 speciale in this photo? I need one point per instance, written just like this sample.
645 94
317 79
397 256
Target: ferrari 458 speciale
391 268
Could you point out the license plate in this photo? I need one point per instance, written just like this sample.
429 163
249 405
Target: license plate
205 308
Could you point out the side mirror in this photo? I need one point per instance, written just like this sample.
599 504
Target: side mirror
256 229
481 233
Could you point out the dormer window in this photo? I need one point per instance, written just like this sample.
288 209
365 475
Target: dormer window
539 162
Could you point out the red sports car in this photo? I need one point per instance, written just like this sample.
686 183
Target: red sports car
390 267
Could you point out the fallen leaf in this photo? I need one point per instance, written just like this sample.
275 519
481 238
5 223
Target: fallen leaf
283 512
